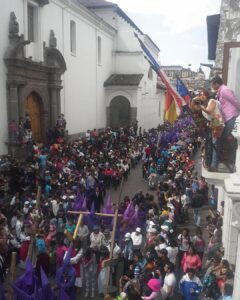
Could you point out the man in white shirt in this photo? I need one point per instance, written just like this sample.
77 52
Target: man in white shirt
19 225
14 220
97 238
83 231
162 244
137 239
55 207
169 282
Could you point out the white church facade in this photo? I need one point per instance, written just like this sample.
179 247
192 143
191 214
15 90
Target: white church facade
75 57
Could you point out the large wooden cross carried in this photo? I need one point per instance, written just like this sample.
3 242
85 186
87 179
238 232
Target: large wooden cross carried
111 261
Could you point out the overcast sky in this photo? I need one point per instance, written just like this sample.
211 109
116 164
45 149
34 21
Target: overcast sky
178 27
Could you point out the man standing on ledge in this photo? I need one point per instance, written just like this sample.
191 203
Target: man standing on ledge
230 105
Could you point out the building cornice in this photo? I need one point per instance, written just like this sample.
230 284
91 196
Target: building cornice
150 43
41 3
83 12
127 53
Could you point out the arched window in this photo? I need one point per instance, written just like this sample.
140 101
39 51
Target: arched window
150 73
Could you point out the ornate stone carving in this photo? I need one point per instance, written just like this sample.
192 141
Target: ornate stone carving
52 40
52 56
229 30
229 27
236 210
25 76
234 4
17 42
13 24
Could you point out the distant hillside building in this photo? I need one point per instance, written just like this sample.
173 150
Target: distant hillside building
192 80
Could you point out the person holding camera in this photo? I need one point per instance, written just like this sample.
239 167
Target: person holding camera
211 110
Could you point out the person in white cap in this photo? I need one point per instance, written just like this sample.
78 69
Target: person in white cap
164 232
137 238
128 250
150 224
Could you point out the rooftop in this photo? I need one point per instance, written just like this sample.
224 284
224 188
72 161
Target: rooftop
97 3
124 80
172 67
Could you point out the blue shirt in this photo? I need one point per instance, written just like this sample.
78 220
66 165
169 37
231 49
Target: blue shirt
186 286
43 160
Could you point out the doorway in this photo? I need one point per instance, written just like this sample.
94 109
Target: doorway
33 105
120 115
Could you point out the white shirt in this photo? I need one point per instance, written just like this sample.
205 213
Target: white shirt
172 254
13 222
24 237
19 225
185 200
87 135
74 260
97 240
83 231
162 246
13 200
55 207
137 239
116 250
169 280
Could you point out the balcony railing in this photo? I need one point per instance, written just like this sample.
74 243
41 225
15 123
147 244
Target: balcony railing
229 157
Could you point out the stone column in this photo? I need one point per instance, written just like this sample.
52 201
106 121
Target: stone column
230 233
59 101
108 116
13 103
236 288
133 115
231 221
53 106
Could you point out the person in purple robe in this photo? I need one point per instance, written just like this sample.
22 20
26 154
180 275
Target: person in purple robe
66 277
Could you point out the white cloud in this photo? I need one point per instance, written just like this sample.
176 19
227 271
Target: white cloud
178 15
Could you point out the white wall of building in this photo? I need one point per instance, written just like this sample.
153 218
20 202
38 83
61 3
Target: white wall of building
234 70
83 97
129 59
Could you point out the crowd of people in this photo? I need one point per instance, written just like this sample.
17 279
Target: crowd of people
21 132
155 258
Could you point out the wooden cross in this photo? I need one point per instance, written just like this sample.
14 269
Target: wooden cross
111 261
82 213
116 215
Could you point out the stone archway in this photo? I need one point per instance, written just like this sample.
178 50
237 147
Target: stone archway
34 108
41 81
120 112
